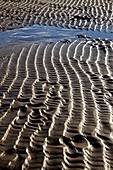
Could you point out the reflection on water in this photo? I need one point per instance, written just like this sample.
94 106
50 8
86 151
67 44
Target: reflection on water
48 33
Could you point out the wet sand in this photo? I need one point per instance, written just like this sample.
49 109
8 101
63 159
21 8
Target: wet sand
56 98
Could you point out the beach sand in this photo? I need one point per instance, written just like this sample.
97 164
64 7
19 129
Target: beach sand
56 98
56 105
83 14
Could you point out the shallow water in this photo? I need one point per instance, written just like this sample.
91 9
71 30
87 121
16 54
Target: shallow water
48 33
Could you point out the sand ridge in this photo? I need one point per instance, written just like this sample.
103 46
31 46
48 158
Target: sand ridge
94 15
56 106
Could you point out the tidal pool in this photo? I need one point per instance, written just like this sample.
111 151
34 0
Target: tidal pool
49 33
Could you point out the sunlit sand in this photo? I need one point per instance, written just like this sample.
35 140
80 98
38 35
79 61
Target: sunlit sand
56 97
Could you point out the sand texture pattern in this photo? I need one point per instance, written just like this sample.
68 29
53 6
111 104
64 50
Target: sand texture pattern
56 102
56 98
83 14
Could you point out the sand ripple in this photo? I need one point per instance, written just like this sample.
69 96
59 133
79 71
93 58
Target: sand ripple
83 14
56 105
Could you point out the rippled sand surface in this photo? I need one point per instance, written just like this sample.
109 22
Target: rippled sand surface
56 98
84 14
56 105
